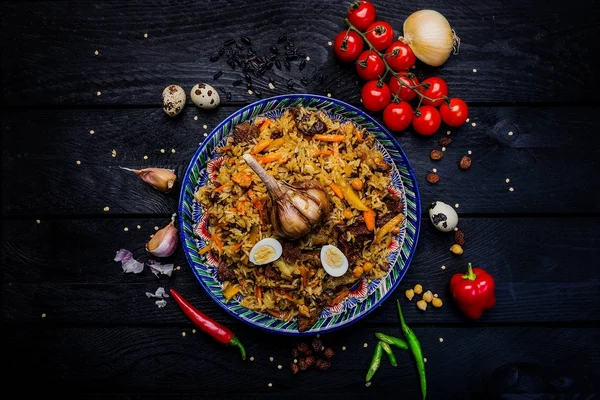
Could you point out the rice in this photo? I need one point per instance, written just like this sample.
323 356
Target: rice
236 203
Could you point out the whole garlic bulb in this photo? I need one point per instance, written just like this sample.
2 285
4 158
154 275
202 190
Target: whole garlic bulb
296 210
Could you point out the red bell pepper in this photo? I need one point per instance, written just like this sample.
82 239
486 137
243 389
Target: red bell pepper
474 292
207 324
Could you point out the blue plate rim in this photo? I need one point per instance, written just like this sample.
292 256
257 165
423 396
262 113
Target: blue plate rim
295 96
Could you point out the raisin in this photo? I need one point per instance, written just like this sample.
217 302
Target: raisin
459 238
445 141
323 364
436 155
310 361
433 178
302 365
295 352
328 353
303 348
294 367
465 162
316 344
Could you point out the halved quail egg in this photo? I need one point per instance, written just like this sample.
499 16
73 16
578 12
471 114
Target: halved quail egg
265 251
333 260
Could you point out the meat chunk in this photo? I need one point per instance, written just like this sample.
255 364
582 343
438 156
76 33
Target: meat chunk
225 272
244 133
290 251
394 206
353 250
305 323
270 272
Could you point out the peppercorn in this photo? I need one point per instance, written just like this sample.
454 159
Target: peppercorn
294 367
310 361
316 344
323 364
328 353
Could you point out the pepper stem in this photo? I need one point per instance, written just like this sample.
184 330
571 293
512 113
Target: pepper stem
236 342
470 274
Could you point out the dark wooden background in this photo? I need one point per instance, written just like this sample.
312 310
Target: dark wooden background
101 336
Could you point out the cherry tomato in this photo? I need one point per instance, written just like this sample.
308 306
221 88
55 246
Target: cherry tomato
380 34
361 14
398 116
456 113
403 92
427 120
347 46
369 65
399 56
438 89
375 95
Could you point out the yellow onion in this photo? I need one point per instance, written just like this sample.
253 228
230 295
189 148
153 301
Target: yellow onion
429 35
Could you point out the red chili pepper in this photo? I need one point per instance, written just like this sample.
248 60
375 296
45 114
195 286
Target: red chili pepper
207 324
473 292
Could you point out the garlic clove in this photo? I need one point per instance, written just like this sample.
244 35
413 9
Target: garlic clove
164 242
159 178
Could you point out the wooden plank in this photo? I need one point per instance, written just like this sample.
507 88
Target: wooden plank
160 361
42 177
536 275
517 48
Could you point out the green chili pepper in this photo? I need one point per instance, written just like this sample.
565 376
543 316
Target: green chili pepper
388 350
415 348
392 340
375 362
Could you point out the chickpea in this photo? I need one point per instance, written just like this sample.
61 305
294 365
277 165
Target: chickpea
456 249
437 302
418 289
368 266
357 271
428 296
357 184
422 305
410 294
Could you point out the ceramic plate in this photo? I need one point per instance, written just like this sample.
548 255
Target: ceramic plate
365 295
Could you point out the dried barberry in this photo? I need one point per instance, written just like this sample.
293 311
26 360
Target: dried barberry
465 162
445 141
323 364
459 237
433 178
436 155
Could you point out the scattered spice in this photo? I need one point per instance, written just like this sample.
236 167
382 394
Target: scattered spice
183 334
507 180
145 36
511 189
432 178
78 162
96 52
441 340
92 132
443 267
37 221
459 237
98 93
465 163
510 133
436 155
145 157
106 208
445 140
43 315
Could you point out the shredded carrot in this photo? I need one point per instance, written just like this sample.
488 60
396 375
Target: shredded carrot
358 136
204 250
304 275
231 161
369 216
266 123
258 292
287 296
233 209
242 178
223 149
268 158
339 297
220 188
238 246
329 138
276 314
217 242
260 146
336 189
325 153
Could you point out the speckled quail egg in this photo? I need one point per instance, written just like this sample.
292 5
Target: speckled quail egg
205 96
333 260
265 251
173 100
443 216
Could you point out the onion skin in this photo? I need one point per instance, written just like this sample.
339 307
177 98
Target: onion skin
429 35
